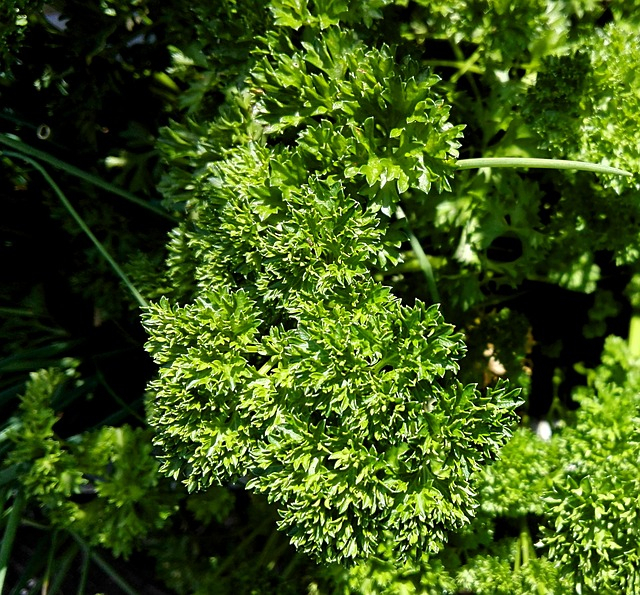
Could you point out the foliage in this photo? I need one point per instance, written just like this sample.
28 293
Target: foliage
327 238
342 405
593 513
114 464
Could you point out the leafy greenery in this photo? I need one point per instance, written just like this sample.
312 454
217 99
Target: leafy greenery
379 323
594 506
129 500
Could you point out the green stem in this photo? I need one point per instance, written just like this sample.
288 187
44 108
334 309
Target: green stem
84 571
18 145
525 540
467 71
463 66
63 562
101 249
467 67
634 334
106 567
539 163
117 399
422 258
46 579
240 549
10 534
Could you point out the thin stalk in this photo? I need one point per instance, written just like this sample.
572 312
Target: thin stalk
295 560
467 67
240 549
46 579
10 534
106 567
18 145
117 399
471 80
422 259
634 334
63 563
525 540
539 163
67 205
84 570
462 66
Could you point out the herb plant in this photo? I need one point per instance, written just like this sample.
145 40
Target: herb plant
292 368
402 234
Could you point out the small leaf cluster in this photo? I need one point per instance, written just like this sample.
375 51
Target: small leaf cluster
599 84
594 519
504 32
322 14
113 466
389 123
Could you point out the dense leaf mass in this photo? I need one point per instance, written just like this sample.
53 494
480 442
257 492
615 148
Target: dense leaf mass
328 233
594 517
293 369
346 412
112 465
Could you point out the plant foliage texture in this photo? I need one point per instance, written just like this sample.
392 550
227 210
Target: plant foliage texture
291 367
414 369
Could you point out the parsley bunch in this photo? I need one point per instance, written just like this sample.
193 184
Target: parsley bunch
291 368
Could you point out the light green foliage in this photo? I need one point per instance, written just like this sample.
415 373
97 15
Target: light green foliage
114 464
593 512
568 91
391 125
503 29
349 420
321 14
383 576
291 233
50 473
494 574
581 486
526 460
296 356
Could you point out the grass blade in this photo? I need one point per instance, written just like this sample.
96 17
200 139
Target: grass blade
10 533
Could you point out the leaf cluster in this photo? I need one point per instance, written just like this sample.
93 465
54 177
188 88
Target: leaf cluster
593 513
304 365
114 466
292 368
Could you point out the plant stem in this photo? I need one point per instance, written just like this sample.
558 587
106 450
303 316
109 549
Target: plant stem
106 567
539 163
18 145
525 540
84 571
422 259
10 533
634 335
101 249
